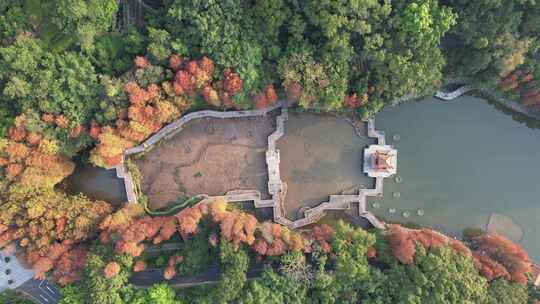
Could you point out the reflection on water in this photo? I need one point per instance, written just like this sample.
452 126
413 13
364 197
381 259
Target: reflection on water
460 162
319 155
97 184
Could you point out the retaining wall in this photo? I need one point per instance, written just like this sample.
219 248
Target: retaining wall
276 187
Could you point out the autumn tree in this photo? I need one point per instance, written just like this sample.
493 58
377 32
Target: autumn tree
223 31
502 253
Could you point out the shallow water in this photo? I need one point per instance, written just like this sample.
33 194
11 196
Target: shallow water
319 155
97 184
460 161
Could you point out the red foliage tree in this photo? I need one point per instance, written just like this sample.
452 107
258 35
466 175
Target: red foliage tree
68 266
175 62
139 266
207 65
278 247
33 139
232 83
211 96
111 270
61 121
371 253
401 244
95 130
141 62
494 248
260 246
17 133
490 268
47 117
213 240
169 273
271 94
77 131
13 170
185 81
293 91
41 266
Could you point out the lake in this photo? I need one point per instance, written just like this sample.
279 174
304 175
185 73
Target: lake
459 162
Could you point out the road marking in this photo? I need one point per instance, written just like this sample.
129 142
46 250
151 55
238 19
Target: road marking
52 291
44 298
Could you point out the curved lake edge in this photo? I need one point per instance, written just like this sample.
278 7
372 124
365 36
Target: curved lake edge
471 155
492 96
351 118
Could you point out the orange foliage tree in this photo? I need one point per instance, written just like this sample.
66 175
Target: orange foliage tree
403 242
497 256
111 270
133 230
49 225
32 160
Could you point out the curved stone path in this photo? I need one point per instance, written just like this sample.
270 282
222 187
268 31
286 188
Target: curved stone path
507 103
454 94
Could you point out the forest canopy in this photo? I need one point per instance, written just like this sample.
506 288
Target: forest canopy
84 80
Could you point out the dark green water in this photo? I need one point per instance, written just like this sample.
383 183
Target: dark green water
97 184
460 161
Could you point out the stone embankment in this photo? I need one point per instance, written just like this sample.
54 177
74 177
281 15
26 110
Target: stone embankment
276 187
172 129
454 94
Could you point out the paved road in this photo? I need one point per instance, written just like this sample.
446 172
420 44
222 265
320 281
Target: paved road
149 277
41 292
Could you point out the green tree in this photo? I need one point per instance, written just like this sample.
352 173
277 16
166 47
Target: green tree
272 288
223 31
11 297
483 43
198 254
159 44
428 21
234 265
73 294
270 18
503 292
95 288
12 20
441 275
353 275
115 51
157 294
86 19
33 81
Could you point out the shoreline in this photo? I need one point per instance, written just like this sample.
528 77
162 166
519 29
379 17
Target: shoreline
509 105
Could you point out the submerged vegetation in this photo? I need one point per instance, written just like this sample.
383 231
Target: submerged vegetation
75 80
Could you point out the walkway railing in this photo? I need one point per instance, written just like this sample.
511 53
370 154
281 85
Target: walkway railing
276 187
